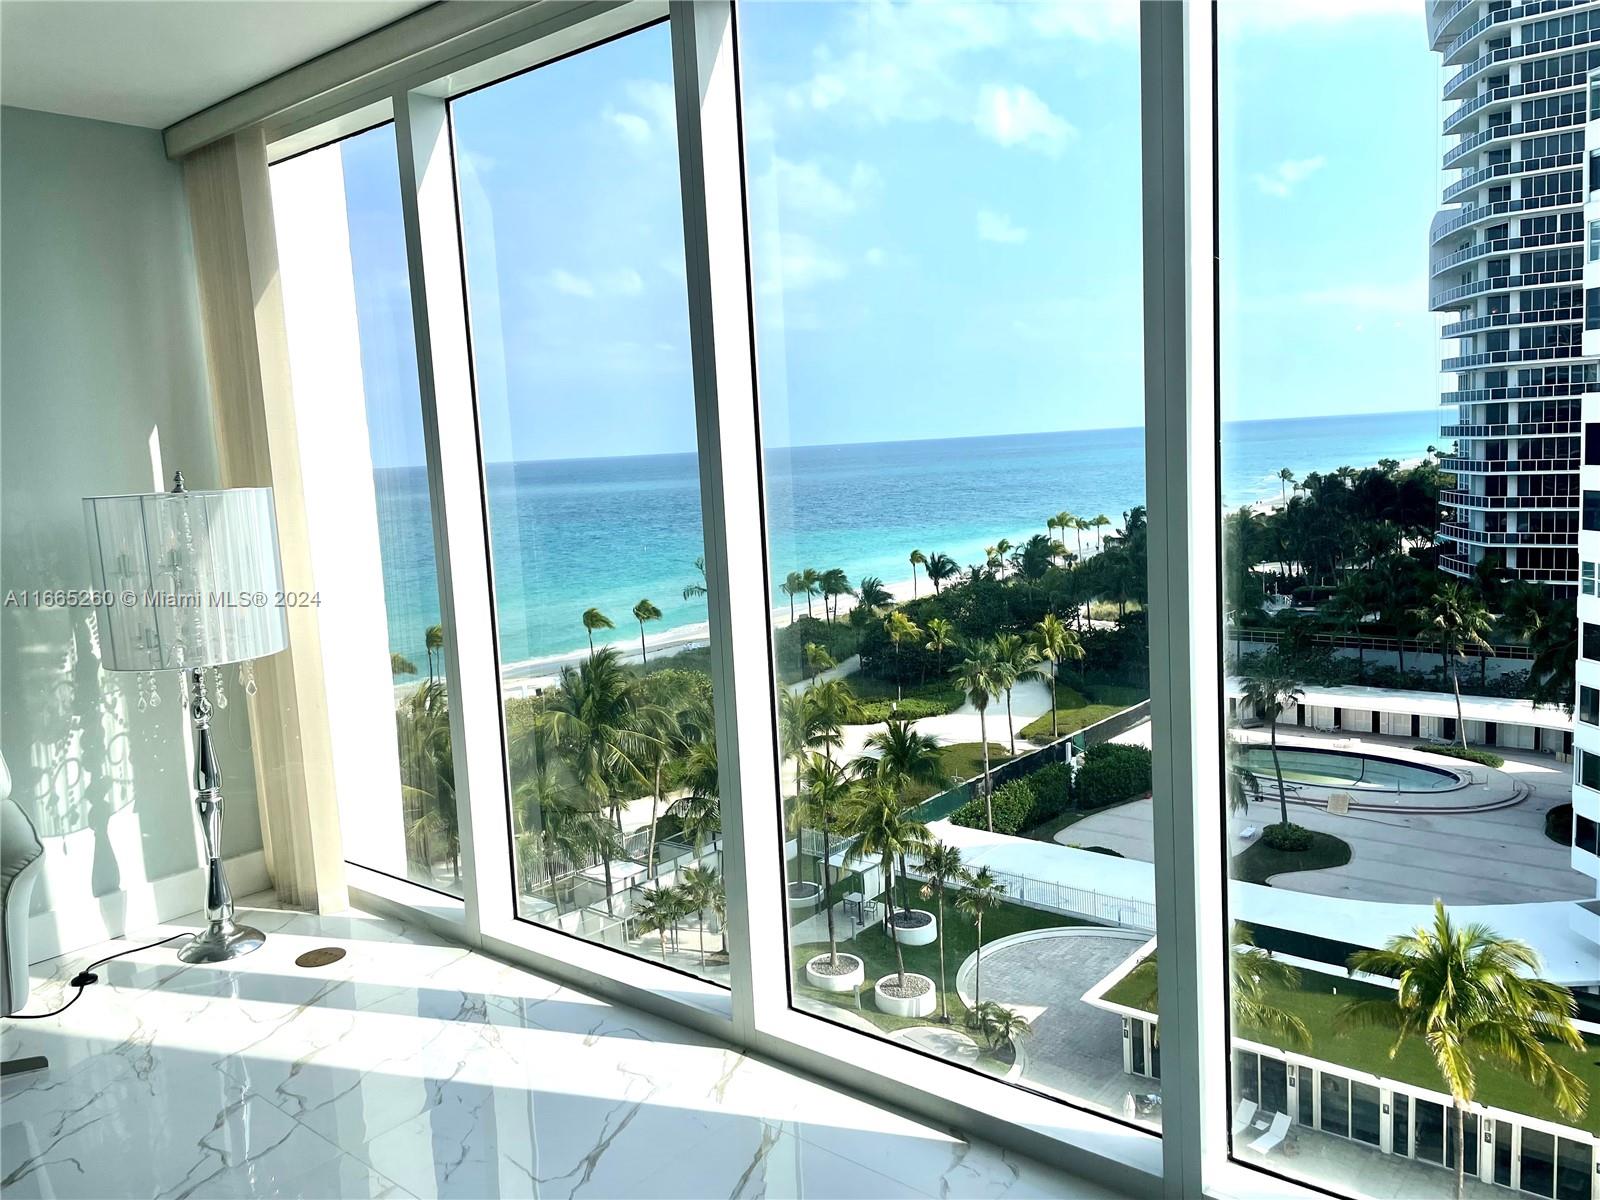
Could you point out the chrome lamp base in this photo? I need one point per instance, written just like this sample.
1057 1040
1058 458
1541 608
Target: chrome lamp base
222 940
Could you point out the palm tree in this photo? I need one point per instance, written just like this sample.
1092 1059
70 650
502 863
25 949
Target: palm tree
693 591
899 756
1347 610
699 812
939 568
833 706
793 584
642 612
810 584
818 659
917 556
941 866
1269 694
899 627
980 893
1099 523
976 677
872 592
399 664
1079 525
1285 477
1017 660
656 911
941 636
1549 624
698 886
1459 620
594 619
1055 643
884 832
1000 1024
1470 994
1062 521
825 792
433 643
834 583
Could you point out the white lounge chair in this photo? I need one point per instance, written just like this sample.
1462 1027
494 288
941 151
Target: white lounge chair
1276 1132
1243 1115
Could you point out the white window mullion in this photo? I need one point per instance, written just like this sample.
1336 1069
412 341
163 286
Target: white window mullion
1185 660
729 443
455 481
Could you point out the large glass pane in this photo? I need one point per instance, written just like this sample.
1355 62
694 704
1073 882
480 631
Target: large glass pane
348 309
1404 377
573 234
1538 1162
947 247
1574 1170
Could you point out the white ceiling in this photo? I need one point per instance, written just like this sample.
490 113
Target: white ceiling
153 62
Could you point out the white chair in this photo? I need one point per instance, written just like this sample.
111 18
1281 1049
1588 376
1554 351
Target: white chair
1243 1115
1276 1132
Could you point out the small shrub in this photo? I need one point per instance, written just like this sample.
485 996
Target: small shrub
1485 757
1014 806
872 712
1287 836
1111 773
1052 791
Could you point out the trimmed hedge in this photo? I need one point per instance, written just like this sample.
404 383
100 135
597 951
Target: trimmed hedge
1052 791
1112 772
874 711
1485 758
1013 809
1286 836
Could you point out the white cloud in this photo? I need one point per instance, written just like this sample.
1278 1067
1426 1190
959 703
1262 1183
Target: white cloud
1089 20
874 257
1015 116
622 282
632 126
656 100
805 187
791 262
1288 175
626 282
569 284
997 227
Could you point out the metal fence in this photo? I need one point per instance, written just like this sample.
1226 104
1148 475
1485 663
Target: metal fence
1086 904
1345 641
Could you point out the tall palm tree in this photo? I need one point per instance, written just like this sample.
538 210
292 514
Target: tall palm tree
941 866
1285 477
833 583
872 593
642 612
1470 994
793 584
433 643
594 619
1054 643
941 636
1078 526
1269 694
980 892
884 832
917 557
1099 523
833 707
825 793
1549 624
939 568
797 726
899 627
1458 621
656 911
399 664
1062 521
699 811
818 659
976 676
900 757
698 885
811 584
1016 660
693 591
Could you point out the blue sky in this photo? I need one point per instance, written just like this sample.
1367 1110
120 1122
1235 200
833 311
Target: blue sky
945 210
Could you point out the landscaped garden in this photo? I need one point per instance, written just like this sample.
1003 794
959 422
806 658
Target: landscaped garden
1079 707
1259 862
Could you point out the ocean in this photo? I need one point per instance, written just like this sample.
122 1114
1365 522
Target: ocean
605 532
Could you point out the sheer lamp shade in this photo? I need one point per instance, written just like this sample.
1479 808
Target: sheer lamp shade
185 579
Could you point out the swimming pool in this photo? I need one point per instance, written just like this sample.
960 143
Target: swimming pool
1340 769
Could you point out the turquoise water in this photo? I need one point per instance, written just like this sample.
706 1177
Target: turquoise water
605 532
1329 768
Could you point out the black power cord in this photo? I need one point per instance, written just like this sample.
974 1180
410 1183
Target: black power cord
87 976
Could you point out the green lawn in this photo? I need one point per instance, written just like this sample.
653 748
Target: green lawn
1259 861
873 947
964 760
875 693
1320 996
1074 710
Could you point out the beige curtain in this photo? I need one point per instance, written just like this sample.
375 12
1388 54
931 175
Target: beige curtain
247 356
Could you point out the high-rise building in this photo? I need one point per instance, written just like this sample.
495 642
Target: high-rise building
1507 263
1586 710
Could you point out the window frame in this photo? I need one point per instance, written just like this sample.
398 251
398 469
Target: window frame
1176 44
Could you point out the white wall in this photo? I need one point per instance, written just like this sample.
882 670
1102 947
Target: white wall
102 390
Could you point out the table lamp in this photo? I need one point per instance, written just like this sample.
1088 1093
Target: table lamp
191 581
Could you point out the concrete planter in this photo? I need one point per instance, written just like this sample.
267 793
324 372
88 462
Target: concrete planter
920 1005
848 982
924 934
804 896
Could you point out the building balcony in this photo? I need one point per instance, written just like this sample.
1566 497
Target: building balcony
1455 87
1446 222
1537 391
1518 429
1445 18
1508 466
1452 296
1459 499
1512 91
1493 358
1534 316
1467 536
1521 166
1506 245
1508 130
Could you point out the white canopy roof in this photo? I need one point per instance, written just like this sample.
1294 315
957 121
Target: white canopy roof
1428 704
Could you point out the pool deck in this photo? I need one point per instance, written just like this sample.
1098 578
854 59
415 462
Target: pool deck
1476 786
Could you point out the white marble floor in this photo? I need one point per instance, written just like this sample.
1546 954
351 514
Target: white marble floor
416 1068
